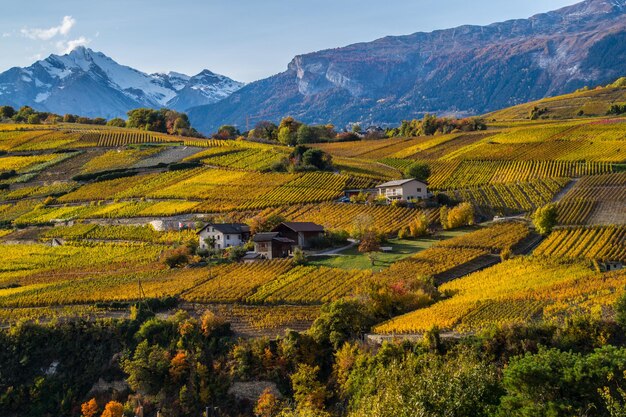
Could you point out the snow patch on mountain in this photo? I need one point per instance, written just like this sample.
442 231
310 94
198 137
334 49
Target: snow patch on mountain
85 82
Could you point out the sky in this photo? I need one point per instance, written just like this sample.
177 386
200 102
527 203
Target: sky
244 39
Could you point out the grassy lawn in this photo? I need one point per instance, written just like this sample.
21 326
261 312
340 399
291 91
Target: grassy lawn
402 248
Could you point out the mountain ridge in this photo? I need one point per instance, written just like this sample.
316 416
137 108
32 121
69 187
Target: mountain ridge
460 71
92 84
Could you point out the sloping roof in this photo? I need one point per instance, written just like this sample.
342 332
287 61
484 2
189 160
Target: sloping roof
283 239
229 228
264 236
302 226
396 183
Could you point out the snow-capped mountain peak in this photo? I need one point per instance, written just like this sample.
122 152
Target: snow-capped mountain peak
90 83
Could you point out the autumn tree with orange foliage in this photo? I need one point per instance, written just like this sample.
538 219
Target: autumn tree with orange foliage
370 244
90 408
113 409
267 405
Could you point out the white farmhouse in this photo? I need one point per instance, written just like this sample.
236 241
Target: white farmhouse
409 189
224 235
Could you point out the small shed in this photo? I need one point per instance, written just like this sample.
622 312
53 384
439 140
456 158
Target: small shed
270 245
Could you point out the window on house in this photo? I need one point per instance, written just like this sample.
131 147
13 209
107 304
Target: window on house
227 237
419 190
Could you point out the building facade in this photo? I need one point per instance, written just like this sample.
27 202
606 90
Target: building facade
300 232
270 245
223 236
409 189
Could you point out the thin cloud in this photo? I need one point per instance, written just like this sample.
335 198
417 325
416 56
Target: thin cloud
69 46
63 29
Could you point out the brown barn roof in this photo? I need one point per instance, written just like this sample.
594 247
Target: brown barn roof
302 226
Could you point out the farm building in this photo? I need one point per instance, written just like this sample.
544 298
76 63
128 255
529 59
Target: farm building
224 235
300 232
409 189
356 192
271 245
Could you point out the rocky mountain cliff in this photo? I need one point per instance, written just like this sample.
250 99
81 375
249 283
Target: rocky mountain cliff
91 84
461 71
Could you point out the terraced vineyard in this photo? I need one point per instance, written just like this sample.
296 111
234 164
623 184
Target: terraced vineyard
512 292
512 168
600 243
333 216
476 173
512 198
595 200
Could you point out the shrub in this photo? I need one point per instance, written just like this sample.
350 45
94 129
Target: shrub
545 218
177 257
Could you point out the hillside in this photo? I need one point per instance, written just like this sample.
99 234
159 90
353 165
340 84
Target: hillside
98 232
465 70
591 103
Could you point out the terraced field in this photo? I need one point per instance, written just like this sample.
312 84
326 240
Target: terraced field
512 168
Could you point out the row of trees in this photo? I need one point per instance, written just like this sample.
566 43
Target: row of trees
27 114
291 132
163 120
431 125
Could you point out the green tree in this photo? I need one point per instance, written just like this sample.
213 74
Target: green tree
428 385
306 134
34 119
6 112
308 391
553 383
341 321
286 137
227 132
620 310
545 218
418 170
148 369
316 158
21 116
117 122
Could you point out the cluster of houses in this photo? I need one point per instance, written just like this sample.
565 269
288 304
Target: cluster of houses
278 243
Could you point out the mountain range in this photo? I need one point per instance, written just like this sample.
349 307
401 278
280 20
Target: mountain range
461 71
92 84
467 70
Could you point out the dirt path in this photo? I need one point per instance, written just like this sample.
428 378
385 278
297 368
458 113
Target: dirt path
168 156
379 339
559 196
336 251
